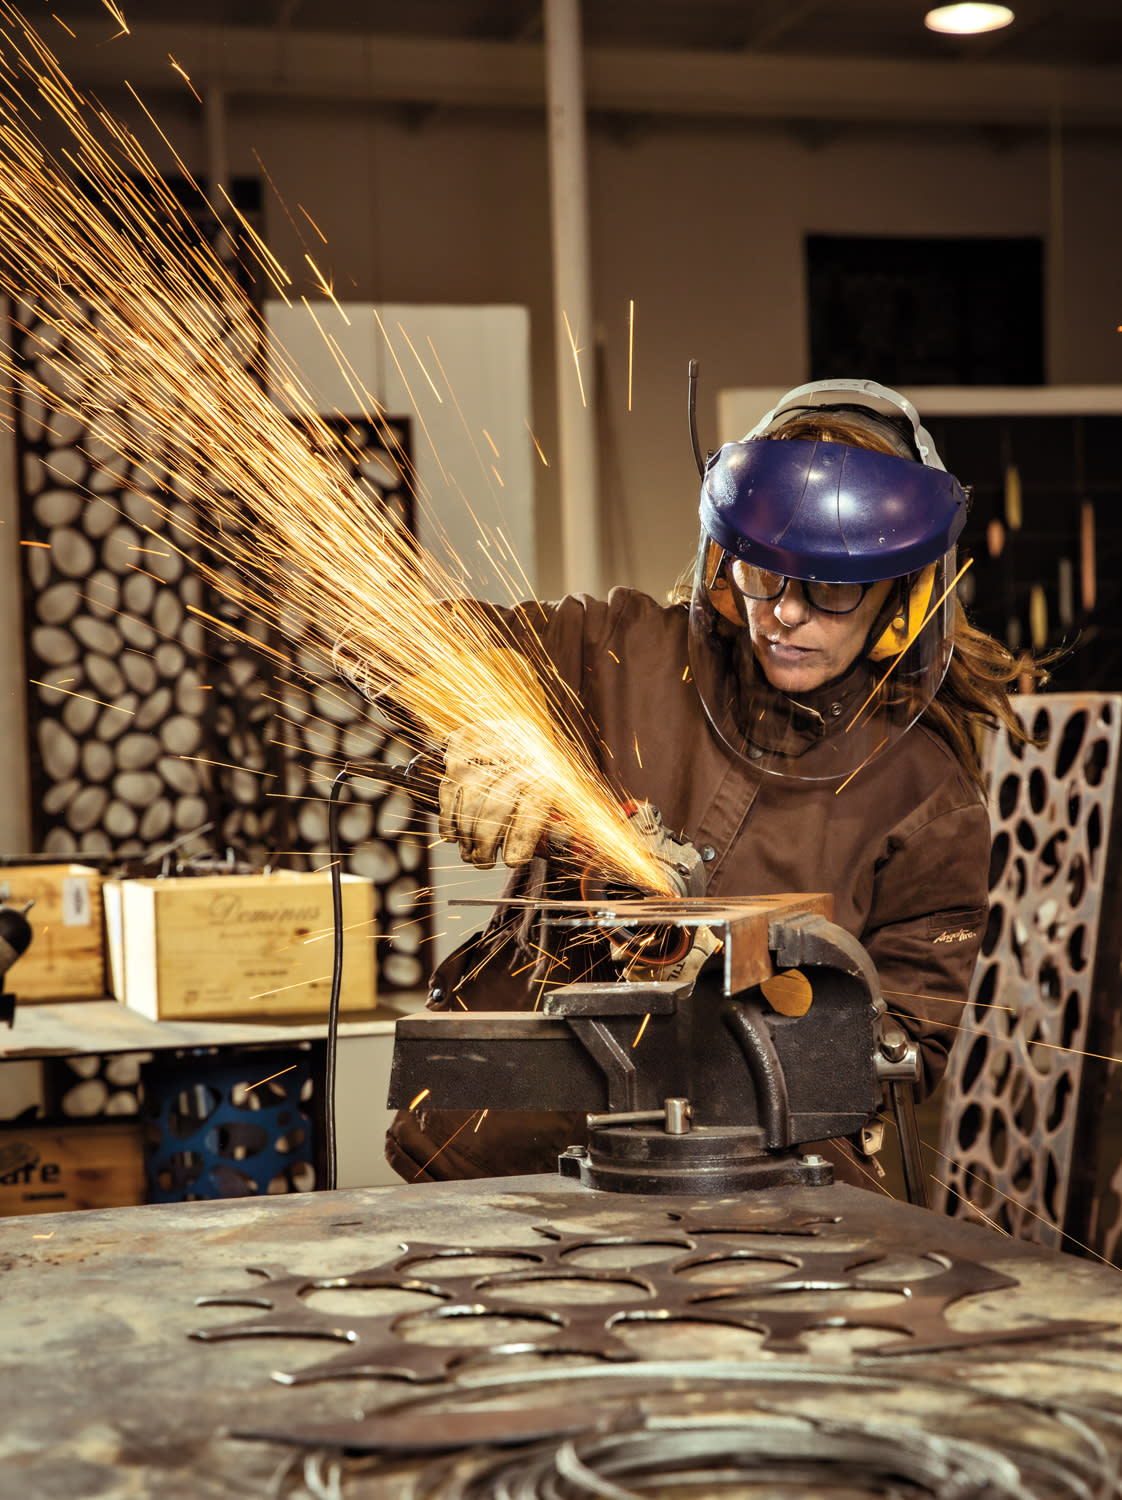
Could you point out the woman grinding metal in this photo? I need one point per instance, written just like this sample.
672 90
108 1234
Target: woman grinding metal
807 720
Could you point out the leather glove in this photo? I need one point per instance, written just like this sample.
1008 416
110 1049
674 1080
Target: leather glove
492 804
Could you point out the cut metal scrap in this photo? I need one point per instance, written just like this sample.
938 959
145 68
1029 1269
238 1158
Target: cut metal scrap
734 1425
916 1321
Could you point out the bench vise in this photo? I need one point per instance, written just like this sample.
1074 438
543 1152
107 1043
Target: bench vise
708 1084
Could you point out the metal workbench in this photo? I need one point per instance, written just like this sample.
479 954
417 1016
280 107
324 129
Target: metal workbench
803 1327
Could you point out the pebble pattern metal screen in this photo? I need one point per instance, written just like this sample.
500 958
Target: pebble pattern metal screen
147 729
1031 1087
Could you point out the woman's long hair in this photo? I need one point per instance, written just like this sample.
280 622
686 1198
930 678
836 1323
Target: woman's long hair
974 694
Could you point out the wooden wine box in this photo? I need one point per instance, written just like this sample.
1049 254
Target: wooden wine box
47 1169
216 946
66 959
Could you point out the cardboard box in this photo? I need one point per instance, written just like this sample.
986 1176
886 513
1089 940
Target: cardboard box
22 1089
66 959
51 1170
114 931
216 946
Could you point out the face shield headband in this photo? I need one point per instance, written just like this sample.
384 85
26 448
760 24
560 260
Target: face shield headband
866 396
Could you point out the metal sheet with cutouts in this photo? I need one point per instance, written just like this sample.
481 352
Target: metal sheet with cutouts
1030 1076
148 727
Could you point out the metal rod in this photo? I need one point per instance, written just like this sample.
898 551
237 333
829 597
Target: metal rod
330 1153
691 413
902 1096
675 1114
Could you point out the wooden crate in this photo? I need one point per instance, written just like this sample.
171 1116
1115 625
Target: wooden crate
66 959
214 946
48 1170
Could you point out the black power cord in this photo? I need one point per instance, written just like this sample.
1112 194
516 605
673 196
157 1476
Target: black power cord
335 852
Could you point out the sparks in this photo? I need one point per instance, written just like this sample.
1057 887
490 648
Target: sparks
183 74
536 444
326 288
119 16
281 988
312 222
1030 1043
1019 1206
422 1095
630 347
942 999
226 765
86 698
251 1086
576 357
875 751
448 1142
420 364
135 350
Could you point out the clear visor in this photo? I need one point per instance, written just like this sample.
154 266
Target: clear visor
811 679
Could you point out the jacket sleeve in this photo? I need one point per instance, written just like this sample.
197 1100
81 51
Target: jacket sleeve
926 925
556 637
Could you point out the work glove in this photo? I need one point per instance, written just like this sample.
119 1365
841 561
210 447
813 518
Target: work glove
492 804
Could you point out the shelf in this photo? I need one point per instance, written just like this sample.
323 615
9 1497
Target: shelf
72 1027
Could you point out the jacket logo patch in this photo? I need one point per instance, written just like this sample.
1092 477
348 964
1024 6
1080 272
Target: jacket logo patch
959 935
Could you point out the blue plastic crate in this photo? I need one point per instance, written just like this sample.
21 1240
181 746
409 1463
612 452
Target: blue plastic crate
223 1126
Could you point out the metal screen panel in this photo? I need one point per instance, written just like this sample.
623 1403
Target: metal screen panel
147 728
1026 1092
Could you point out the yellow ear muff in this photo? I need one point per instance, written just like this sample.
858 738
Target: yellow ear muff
721 596
907 619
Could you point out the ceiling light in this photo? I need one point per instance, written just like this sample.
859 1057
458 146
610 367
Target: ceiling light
967 20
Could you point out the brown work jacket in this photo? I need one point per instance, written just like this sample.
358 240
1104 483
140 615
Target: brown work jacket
903 849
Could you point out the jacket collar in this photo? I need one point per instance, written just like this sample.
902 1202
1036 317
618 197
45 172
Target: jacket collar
789 726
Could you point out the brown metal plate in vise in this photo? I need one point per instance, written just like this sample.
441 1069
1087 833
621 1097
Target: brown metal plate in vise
742 924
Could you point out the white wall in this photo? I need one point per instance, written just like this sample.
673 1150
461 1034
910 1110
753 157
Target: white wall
461 374
474 458
703 226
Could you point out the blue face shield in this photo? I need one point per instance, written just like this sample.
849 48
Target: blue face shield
828 511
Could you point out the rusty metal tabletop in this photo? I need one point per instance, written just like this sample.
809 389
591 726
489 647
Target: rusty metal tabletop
834 1302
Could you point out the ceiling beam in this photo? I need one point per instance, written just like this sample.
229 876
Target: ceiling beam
253 63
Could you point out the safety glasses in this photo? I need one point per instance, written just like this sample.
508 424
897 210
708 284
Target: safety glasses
828 598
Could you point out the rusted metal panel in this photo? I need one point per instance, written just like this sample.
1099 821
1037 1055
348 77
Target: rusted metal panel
1023 1122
